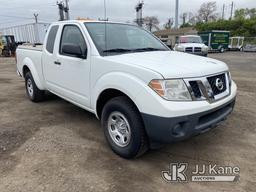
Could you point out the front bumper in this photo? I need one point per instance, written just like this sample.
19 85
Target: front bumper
198 53
167 130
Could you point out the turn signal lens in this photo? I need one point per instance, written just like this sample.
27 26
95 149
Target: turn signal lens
157 87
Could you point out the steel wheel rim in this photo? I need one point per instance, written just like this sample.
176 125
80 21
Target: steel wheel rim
119 129
30 87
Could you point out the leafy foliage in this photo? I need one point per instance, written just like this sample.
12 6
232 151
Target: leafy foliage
245 13
244 24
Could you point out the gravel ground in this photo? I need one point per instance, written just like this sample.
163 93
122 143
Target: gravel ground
56 146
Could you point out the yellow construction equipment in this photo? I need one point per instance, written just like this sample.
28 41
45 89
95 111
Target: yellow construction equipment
7 45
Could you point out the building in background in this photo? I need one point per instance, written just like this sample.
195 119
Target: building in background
30 33
170 36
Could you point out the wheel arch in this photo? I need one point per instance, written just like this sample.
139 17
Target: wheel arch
116 84
108 94
28 66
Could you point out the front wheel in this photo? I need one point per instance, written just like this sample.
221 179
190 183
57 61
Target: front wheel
34 94
123 128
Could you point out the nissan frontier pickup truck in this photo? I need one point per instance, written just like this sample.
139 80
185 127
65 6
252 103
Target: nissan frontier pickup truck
144 94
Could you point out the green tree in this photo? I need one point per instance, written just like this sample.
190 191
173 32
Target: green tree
237 27
186 25
252 13
240 14
245 13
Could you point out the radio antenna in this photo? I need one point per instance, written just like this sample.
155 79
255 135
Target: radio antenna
105 20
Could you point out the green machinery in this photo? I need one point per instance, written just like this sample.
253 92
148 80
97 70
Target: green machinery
216 40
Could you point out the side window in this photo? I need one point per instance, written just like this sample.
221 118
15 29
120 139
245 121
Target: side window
51 38
72 35
4 40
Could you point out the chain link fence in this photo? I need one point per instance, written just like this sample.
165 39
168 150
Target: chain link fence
249 44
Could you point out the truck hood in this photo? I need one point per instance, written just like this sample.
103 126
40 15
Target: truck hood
172 64
192 45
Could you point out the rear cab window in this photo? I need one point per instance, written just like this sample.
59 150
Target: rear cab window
51 38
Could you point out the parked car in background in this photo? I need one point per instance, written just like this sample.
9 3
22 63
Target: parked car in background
216 40
236 44
250 48
143 93
191 44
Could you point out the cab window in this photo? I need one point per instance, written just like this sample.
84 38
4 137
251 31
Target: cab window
51 38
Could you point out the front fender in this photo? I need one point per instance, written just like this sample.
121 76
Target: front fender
126 83
29 63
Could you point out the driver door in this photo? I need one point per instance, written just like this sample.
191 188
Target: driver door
68 75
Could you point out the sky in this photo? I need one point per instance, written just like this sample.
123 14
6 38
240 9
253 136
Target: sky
16 12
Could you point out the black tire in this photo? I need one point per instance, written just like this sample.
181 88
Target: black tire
138 143
36 95
5 53
222 50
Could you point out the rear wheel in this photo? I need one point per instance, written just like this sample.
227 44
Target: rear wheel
123 128
222 50
34 94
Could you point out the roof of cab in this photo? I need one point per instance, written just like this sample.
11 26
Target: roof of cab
86 21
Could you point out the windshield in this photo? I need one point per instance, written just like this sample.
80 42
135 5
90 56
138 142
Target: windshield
111 38
192 39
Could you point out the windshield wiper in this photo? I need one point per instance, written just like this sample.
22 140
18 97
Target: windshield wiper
118 50
149 49
121 50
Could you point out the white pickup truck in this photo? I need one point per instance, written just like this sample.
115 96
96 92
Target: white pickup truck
143 93
192 44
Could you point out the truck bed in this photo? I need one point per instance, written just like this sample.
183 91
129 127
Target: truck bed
30 56
31 47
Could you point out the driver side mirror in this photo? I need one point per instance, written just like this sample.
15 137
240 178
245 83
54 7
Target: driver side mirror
74 50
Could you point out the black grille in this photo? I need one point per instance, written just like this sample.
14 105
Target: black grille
195 89
212 81
189 49
197 49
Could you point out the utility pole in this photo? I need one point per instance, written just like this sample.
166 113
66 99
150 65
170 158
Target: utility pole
223 12
139 8
177 15
61 10
66 10
232 7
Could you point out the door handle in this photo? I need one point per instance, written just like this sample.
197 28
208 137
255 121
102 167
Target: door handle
57 63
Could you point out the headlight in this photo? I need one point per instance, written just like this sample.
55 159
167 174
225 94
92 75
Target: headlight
179 48
205 49
172 90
